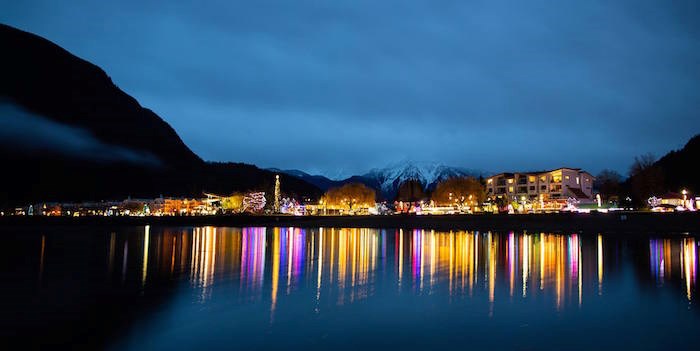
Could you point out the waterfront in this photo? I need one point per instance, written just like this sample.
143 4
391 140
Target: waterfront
626 222
160 287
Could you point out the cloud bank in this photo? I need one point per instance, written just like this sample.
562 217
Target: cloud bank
22 130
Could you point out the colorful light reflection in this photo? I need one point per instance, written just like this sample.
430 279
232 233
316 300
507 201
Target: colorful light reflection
344 264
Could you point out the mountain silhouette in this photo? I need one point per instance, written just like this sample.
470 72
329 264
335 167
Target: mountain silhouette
70 134
49 81
671 173
679 167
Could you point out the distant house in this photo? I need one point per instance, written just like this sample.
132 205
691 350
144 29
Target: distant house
557 184
672 199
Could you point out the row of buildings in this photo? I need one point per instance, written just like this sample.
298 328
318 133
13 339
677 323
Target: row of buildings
550 190
252 202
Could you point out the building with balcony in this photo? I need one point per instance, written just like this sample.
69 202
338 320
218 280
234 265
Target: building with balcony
557 184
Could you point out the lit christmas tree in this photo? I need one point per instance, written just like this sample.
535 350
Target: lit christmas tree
276 207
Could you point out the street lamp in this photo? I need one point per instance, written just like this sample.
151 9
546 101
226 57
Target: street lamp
685 197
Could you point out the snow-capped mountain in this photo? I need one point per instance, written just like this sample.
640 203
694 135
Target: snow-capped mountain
387 180
429 174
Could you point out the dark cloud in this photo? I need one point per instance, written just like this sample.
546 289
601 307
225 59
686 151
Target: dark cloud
495 85
27 131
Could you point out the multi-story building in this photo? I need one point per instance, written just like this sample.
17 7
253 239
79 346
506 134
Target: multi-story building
557 184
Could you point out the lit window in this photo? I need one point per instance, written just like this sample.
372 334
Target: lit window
543 178
556 176
532 179
578 181
510 181
489 181
510 189
567 177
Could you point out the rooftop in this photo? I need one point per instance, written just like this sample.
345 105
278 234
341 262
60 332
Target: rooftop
510 174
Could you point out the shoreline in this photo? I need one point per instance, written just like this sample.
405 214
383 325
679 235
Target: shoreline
621 222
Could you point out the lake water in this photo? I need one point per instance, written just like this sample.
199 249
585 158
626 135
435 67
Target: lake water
160 288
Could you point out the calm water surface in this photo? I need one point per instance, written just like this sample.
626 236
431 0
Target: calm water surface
161 288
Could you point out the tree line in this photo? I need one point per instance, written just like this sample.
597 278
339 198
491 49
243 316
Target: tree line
453 191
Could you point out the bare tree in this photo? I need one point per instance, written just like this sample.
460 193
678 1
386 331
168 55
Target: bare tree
608 182
410 191
459 191
641 163
348 196
646 179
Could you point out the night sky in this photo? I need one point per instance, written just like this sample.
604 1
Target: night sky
339 87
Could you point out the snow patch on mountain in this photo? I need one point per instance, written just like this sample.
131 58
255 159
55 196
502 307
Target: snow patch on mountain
427 173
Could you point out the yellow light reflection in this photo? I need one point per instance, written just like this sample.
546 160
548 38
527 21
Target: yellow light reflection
275 268
689 264
526 262
600 264
144 271
491 271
